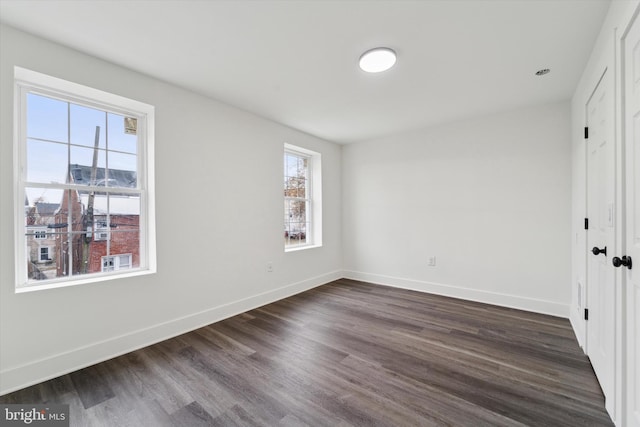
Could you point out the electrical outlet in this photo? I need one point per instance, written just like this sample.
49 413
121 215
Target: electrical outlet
269 267
432 261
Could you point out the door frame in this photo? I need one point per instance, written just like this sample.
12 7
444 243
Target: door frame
625 315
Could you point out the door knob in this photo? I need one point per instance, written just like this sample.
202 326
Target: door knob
625 260
597 251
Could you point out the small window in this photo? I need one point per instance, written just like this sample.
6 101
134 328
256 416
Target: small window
101 230
44 254
302 198
116 262
86 162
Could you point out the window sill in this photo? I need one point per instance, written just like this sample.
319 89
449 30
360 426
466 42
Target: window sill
62 283
301 248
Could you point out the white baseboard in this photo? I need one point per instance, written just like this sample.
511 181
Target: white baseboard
31 373
504 300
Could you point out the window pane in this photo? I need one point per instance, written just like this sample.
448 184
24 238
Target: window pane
82 165
295 225
46 118
92 205
40 265
297 212
302 186
297 233
125 211
84 121
46 162
70 215
118 139
125 226
126 242
291 187
123 170
41 205
62 254
287 211
33 259
291 168
83 254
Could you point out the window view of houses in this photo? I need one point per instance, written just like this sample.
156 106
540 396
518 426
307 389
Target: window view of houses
297 199
41 240
82 204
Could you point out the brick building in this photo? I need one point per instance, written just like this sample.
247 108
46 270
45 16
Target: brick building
104 232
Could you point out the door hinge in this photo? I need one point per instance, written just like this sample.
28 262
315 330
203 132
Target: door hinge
586 223
586 314
586 132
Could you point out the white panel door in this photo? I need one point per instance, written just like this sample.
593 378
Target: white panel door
600 236
632 179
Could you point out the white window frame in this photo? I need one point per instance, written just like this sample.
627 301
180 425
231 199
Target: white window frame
28 81
314 189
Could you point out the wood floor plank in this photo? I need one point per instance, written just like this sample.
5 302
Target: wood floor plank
192 415
91 385
345 354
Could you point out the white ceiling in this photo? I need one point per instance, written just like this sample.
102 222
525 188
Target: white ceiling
296 62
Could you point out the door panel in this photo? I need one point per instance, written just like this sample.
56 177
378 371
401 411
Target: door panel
600 202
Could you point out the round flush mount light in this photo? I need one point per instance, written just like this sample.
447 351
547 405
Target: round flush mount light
377 60
543 72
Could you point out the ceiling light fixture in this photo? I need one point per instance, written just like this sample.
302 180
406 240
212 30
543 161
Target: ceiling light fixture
543 72
377 60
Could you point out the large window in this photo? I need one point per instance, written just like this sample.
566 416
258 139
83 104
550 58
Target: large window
302 198
85 182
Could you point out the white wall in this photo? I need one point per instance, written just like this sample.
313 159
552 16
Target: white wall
219 221
489 197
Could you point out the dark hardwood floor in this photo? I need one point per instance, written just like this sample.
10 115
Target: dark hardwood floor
347 353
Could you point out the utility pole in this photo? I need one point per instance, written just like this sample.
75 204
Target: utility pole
88 219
